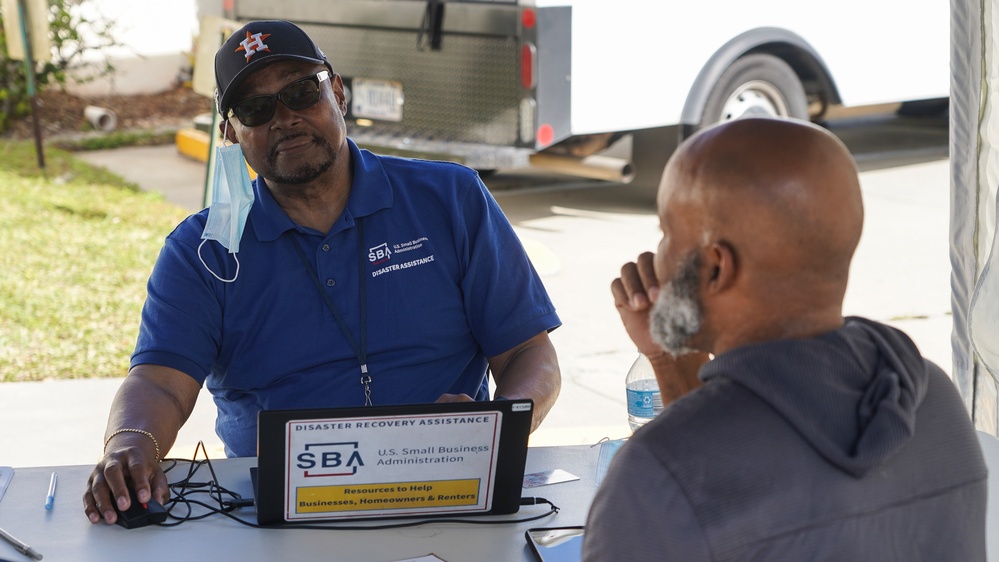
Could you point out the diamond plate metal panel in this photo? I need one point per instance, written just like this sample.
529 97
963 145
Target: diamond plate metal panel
441 102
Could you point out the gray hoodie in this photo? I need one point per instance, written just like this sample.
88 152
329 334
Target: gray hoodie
849 446
857 404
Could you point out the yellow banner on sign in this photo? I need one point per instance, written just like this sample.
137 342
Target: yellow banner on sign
395 495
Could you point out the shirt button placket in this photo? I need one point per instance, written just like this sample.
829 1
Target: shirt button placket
330 281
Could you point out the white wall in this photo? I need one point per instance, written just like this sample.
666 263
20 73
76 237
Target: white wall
154 37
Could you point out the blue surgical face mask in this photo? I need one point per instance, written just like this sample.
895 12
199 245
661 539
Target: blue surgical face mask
232 198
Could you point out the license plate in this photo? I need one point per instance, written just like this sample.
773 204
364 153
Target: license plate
377 99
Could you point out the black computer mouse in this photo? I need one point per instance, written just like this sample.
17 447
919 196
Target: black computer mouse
140 514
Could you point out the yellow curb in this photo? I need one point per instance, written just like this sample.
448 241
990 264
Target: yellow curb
193 144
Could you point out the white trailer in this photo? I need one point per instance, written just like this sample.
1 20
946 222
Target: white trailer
507 84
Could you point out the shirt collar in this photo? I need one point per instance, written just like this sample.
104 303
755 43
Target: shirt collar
370 191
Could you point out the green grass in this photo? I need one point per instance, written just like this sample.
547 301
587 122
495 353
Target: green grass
76 247
106 141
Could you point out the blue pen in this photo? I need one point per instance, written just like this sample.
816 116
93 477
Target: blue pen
50 499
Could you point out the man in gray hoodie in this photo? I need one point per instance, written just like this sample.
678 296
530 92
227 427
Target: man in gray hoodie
808 436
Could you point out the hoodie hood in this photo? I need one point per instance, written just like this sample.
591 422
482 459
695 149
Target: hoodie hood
851 393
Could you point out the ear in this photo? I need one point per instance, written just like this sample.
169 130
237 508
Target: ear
228 132
341 101
721 265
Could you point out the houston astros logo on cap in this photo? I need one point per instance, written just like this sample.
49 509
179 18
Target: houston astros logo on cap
261 43
253 44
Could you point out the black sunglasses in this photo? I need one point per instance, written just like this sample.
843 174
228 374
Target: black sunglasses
300 94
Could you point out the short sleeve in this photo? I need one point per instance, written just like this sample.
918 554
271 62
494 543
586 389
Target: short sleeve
506 302
180 325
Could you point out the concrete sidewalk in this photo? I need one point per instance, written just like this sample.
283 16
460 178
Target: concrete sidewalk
62 423
181 180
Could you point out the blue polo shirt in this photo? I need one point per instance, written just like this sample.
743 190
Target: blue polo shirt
445 279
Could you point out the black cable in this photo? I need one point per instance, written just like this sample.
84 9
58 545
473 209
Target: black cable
183 490
536 501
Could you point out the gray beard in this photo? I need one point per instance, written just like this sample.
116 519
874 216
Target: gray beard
304 174
677 314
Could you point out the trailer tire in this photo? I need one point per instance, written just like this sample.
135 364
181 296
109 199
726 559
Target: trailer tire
756 85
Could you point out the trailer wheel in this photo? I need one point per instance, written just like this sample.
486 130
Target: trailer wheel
755 85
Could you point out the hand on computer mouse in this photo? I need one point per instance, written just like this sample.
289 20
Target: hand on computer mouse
125 465
140 514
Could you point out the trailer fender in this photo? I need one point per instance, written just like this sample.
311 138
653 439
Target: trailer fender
783 44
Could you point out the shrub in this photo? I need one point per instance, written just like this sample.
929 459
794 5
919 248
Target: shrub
78 34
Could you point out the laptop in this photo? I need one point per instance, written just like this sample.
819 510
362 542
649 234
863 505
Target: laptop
377 462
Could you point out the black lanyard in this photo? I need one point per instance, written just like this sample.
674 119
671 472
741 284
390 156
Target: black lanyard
360 351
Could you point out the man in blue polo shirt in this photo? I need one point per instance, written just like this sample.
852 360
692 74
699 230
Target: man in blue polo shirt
338 278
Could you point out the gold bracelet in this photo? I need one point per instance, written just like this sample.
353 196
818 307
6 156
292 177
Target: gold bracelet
130 430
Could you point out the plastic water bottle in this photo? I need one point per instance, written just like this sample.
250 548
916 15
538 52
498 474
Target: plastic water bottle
644 400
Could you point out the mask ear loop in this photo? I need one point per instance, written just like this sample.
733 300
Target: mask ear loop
225 138
210 269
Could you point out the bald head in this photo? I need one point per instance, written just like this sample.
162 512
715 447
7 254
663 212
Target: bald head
783 197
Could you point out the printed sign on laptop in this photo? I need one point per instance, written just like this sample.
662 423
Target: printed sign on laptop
395 461
392 465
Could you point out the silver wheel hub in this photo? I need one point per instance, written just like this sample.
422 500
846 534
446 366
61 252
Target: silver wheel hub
754 99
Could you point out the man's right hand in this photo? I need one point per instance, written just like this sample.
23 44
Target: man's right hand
152 399
128 462
634 292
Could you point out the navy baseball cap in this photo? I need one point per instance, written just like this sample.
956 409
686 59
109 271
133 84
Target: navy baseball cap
255 45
